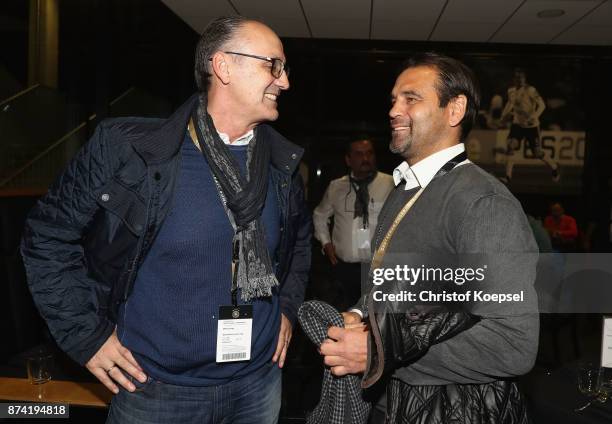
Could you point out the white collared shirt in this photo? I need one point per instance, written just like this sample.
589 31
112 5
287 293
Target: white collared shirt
422 172
339 202
243 140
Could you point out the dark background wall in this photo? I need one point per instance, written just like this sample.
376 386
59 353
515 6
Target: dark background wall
339 88
13 46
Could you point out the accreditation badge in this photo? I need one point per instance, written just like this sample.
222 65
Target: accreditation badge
234 330
362 239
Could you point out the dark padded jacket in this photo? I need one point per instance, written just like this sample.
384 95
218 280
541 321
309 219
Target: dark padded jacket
86 238
398 339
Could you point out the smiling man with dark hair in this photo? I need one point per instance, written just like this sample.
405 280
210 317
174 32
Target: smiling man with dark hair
440 365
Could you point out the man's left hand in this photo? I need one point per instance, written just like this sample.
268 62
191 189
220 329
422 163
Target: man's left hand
346 350
284 338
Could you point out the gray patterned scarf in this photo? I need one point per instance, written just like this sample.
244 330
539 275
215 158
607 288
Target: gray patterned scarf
243 198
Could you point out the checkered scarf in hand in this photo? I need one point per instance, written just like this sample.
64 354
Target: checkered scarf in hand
341 400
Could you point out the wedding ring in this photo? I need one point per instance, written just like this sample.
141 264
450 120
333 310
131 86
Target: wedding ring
111 368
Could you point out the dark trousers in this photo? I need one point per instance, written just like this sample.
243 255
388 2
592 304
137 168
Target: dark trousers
252 399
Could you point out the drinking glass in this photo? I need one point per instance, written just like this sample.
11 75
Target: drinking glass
589 379
39 365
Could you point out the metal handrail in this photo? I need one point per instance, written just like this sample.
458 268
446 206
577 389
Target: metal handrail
58 142
121 96
46 151
21 93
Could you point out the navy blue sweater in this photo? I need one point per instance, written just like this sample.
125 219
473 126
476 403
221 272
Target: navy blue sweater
170 320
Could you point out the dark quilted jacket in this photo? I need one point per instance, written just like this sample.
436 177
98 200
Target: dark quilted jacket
398 339
86 238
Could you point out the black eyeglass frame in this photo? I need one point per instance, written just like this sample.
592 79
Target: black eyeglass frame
273 60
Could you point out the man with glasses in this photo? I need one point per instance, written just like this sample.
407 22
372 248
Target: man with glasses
353 201
277 66
171 256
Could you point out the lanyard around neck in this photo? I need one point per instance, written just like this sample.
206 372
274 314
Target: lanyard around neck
235 241
382 249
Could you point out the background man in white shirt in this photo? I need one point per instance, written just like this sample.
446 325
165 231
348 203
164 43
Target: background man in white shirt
354 202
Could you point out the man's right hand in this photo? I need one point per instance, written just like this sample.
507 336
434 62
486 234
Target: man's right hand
111 362
345 350
330 252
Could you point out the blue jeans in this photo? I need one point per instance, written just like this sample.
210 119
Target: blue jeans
253 399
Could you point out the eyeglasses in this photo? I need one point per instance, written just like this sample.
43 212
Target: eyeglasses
278 66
